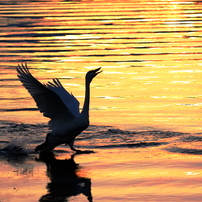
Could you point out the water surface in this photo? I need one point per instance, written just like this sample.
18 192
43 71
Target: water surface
150 53
145 105
126 165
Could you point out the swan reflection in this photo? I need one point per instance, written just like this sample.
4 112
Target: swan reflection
64 181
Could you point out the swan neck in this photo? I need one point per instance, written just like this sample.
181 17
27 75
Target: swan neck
86 105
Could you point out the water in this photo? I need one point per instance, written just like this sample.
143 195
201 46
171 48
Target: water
126 165
145 105
150 53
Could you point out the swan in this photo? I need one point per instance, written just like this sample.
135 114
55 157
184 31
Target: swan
66 121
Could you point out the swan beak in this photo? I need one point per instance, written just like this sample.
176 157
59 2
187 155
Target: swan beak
97 71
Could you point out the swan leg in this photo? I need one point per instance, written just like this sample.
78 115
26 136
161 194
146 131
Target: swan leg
71 145
43 145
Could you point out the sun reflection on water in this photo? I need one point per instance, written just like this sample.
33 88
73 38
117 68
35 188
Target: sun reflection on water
150 54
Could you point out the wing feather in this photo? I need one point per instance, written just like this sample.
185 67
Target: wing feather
47 100
68 99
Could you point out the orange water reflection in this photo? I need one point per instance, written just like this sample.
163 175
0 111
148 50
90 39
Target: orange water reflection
145 176
130 174
150 57
21 182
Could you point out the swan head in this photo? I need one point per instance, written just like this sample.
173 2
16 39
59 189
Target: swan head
93 73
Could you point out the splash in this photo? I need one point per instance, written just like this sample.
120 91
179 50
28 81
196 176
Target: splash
15 147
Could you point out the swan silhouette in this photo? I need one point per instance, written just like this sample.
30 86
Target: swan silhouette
67 122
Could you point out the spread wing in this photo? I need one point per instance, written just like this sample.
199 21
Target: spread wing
68 99
51 99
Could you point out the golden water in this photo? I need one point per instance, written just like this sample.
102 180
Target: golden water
150 53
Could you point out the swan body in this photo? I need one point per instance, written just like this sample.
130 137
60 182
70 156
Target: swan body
67 122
